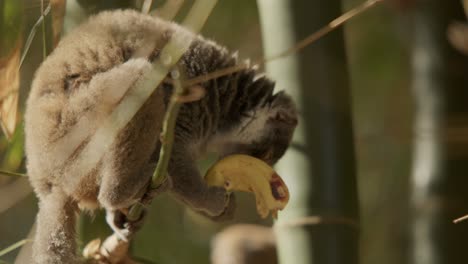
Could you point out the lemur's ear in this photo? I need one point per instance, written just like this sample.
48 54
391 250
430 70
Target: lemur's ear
284 109
284 117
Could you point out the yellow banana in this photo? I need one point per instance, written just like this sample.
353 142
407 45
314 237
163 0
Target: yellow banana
249 174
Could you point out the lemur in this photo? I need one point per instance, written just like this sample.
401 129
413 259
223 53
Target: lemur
86 76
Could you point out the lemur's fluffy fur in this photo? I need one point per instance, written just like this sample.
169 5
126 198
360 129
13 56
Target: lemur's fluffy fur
83 80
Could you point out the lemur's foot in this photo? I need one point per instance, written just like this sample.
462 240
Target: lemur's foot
122 227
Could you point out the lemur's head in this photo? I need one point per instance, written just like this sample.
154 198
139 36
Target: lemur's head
278 130
268 129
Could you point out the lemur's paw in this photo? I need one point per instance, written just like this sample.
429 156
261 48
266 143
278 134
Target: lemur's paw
229 210
122 227
223 205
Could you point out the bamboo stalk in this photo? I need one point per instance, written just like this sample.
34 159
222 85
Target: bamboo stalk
439 171
320 223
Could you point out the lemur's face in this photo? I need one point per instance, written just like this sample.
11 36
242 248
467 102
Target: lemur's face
278 130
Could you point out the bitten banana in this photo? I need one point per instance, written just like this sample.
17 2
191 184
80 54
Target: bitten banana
249 174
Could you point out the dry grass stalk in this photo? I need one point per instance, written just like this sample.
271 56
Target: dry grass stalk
334 24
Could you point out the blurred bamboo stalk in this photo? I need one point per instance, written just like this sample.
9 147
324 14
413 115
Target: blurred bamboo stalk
146 6
244 244
320 225
440 161
58 15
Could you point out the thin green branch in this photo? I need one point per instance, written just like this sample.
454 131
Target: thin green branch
13 247
167 140
167 134
12 174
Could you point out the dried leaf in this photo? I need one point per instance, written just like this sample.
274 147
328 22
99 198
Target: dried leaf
9 86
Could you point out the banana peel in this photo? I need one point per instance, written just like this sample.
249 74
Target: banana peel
249 174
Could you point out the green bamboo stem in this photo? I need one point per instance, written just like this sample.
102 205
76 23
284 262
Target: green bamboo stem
167 140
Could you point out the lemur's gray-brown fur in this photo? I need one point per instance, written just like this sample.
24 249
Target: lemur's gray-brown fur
84 78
